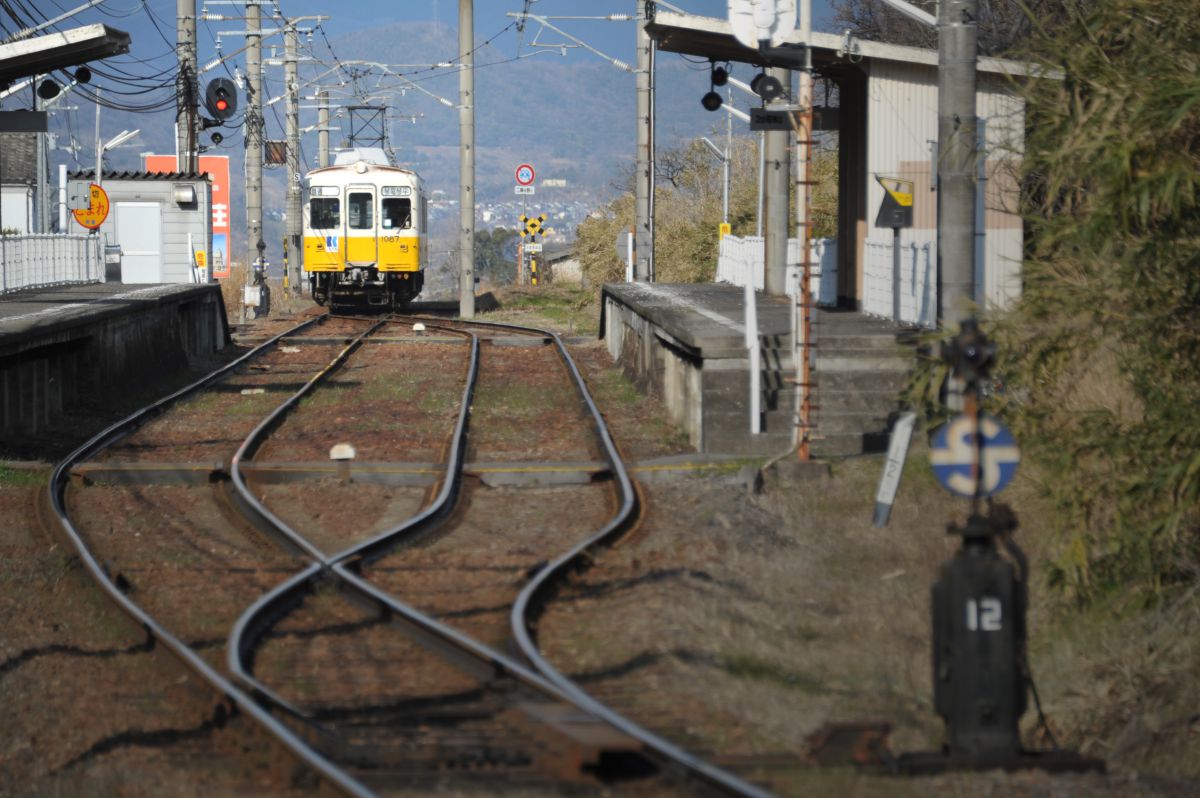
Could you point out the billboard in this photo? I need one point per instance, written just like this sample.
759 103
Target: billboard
217 167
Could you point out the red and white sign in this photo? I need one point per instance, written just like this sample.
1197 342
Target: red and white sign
525 175
96 212
217 167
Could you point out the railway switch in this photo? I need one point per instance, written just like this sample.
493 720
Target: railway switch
979 609
981 675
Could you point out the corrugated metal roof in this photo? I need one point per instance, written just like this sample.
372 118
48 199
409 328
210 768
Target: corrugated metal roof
713 36
90 174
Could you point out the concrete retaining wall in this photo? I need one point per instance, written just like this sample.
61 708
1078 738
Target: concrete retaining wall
706 395
93 361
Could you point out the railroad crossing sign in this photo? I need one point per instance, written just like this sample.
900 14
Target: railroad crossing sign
953 455
525 175
94 215
532 226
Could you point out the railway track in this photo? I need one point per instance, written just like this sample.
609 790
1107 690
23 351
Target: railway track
368 566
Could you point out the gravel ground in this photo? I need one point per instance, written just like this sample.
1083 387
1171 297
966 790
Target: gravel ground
731 621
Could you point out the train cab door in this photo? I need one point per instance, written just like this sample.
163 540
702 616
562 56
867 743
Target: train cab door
361 226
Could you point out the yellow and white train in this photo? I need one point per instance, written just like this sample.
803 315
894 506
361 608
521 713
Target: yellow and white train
365 230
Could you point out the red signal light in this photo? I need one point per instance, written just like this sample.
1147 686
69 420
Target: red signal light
222 104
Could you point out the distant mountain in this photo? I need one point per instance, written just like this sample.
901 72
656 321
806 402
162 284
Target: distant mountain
573 120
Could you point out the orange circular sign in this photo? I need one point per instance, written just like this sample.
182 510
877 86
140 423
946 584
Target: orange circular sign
94 215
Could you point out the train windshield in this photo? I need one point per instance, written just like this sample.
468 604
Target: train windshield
325 214
359 210
397 213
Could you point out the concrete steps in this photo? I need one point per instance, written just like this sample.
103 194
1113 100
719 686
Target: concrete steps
860 373
859 378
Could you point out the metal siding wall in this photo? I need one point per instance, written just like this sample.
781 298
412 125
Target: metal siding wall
1004 244
901 120
175 230
177 221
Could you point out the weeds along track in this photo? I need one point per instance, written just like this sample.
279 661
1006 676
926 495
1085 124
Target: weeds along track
318 507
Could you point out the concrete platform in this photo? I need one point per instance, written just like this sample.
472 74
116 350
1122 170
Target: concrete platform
686 343
63 346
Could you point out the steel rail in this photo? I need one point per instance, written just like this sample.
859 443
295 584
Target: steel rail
530 601
242 702
468 653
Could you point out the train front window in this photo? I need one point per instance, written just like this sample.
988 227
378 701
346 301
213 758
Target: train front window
397 213
325 214
359 210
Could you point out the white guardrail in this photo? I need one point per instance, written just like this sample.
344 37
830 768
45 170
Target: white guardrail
742 259
37 261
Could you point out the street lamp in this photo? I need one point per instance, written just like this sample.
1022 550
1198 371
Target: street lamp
115 141
724 156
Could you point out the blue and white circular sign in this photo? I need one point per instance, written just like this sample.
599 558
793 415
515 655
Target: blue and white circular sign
953 452
525 174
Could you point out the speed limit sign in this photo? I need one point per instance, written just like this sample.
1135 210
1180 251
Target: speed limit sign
525 175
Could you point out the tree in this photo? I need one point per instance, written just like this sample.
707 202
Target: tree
1005 26
493 263
688 213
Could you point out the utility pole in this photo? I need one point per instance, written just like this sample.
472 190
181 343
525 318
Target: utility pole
292 115
42 224
253 135
186 159
322 128
466 126
957 152
778 175
643 178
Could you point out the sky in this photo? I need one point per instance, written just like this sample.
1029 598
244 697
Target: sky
144 79
350 15
490 16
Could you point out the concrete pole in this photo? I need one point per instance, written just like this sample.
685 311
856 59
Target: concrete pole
728 155
323 128
762 170
42 224
466 126
778 176
62 198
292 119
253 135
186 90
643 171
99 143
957 49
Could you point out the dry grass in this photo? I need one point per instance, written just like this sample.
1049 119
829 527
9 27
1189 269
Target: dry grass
768 616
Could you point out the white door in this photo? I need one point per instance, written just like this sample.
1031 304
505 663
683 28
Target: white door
139 232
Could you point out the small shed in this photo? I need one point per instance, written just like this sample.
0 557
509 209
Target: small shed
162 223
886 122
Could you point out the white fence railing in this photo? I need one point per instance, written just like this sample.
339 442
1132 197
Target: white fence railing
741 259
918 281
35 261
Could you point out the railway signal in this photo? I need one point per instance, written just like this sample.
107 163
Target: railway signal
220 100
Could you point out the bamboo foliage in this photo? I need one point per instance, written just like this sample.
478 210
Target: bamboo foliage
1102 357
